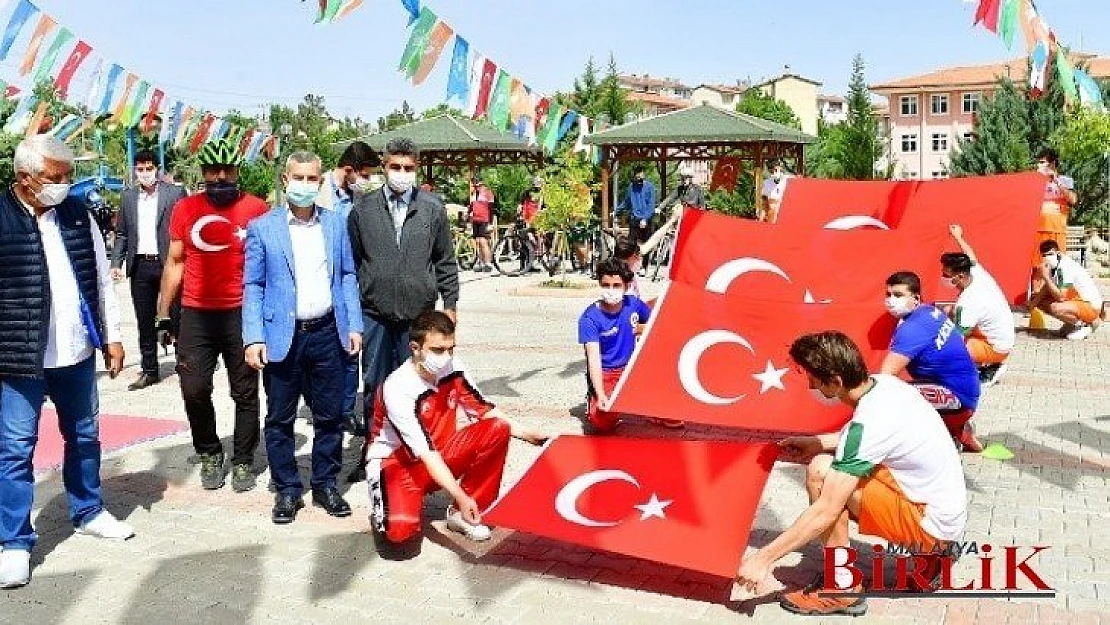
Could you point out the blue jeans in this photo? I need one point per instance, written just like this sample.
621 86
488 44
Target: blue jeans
73 390
385 346
350 383
314 368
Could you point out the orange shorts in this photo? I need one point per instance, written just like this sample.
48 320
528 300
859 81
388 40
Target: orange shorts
1084 310
887 513
982 352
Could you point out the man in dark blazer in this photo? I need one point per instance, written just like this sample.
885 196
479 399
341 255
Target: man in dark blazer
142 238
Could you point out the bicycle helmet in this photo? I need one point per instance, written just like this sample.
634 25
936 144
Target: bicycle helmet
222 153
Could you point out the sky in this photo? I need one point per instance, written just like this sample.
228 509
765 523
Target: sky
244 54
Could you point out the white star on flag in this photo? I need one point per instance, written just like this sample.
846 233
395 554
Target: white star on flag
770 378
653 508
241 233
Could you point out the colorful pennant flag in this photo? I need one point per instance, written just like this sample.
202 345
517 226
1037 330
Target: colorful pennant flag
35 126
458 85
185 126
1065 75
69 124
45 25
46 65
583 130
1028 20
169 130
1038 69
201 133
484 88
118 113
24 11
441 34
110 88
418 39
152 112
550 136
328 10
413 7
76 58
498 113
1089 93
568 122
135 108
987 14
349 6
1008 20
21 116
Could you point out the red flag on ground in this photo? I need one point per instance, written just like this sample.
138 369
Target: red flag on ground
708 358
725 174
683 503
780 262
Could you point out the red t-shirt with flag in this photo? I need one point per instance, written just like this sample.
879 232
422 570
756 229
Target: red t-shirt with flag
214 240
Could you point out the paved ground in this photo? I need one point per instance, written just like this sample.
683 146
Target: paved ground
214 557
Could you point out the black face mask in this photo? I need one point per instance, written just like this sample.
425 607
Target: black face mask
222 193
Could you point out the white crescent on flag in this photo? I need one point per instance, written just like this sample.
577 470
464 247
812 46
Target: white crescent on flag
851 222
723 276
566 502
199 241
690 357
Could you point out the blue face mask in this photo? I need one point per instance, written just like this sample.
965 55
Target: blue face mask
302 193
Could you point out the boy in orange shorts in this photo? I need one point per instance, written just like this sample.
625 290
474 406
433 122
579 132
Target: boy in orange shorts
1069 293
903 484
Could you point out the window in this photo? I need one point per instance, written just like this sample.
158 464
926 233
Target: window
908 104
939 175
940 104
909 143
940 141
971 102
969 136
835 107
911 175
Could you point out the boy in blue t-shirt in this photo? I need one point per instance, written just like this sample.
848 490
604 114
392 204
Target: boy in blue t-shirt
608 329
930 347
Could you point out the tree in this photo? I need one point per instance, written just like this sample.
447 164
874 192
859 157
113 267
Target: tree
858 147
1083 142
441 109
1000 142
758 104
400 117
613 105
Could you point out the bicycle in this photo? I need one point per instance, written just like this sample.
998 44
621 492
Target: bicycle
600 244
513 248
466 251
561 248
661 256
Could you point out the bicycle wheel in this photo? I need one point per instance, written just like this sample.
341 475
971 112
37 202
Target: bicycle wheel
662 256
556 256
466 253
510 256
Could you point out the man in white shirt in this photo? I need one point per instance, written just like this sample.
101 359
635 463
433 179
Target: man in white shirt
302 321
57 308
981 312
892 468
773 189
1069 293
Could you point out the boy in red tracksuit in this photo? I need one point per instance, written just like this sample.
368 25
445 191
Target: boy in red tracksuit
418 448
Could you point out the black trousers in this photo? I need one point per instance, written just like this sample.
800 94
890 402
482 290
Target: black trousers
206 335
146 280
638 234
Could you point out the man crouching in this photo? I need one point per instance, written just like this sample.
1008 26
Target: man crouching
418 448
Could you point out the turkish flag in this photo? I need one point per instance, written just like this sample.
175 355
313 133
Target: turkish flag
684 503
780 262
708 358
725 174
485 85
987 13
845 205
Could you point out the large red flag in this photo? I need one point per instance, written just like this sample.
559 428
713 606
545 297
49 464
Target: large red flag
757 260
684 503
844 205
709 358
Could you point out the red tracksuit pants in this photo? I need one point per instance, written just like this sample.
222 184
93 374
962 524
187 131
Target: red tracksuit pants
476 456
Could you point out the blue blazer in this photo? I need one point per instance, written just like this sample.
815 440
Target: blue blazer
270 289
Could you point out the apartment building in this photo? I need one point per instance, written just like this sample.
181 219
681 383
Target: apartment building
929 113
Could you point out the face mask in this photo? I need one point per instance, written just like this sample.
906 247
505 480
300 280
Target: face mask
1043 168
366 185
821 399
146 178
438 365
612 296
302 193
898 306
1052 261
52 194
401 181
222 193
777 176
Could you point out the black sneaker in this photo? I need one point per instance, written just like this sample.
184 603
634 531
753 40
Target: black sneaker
986 373
212 473
242 479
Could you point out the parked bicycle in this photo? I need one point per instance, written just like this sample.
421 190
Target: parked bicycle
513 255
466 251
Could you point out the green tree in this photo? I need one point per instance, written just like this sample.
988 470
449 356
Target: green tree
400 117
759 104
858 147
1083 142
1000 142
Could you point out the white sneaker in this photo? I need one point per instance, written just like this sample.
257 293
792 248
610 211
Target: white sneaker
456 523
15 568
104 525
1081 332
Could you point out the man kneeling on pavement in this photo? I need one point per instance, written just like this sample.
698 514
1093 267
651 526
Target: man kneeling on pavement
418 448
892 468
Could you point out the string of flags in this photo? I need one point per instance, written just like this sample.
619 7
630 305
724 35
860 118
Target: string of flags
484 89
334 10
1006 17
121 95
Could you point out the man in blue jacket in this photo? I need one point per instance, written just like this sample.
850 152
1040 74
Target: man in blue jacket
639 202
301 322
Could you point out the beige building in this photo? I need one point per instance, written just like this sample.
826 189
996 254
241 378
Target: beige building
929 113
797 91
832 109
720 96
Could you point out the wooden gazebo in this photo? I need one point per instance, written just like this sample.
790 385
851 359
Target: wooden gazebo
700 133
458 144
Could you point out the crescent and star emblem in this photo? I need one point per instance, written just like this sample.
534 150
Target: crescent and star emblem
851 222
566 502
205 246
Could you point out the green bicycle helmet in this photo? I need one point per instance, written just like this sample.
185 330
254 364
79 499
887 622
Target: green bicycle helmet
220 153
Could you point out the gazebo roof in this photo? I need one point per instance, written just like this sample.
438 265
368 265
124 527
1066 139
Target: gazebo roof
698 125
446 133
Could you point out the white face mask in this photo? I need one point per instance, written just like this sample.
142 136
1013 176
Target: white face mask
821 399
52 194
146 178
777 176
1052 261
899 306
612 296
1044 169
401 181
438 365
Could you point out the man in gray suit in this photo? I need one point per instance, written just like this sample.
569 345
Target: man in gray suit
403 251
142 239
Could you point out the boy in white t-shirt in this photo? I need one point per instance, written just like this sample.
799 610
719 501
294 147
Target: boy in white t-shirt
1069 293
892 468
981 312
